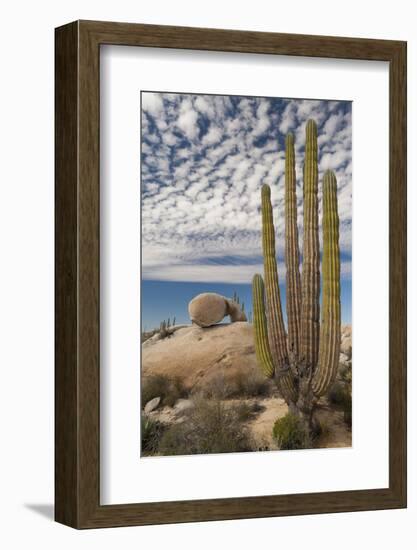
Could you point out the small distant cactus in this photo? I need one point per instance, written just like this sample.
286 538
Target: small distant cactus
163 329
237 299
304 359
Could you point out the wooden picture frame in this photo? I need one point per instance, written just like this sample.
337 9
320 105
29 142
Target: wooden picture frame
77 373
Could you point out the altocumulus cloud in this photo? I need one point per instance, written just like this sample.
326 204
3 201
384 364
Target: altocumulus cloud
203 162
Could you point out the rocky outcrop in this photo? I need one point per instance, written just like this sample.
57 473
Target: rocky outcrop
221 353
209 308
197 355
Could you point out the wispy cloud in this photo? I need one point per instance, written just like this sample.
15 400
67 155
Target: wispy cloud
204 160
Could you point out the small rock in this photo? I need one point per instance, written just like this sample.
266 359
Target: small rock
183 405
344 359
152 405
346 341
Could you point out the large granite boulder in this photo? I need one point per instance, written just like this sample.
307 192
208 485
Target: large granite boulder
209 308
201 356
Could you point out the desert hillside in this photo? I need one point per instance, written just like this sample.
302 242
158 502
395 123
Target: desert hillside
219 364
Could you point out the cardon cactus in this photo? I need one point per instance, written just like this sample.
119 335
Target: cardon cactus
304 360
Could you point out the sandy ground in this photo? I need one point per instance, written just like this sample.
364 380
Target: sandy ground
336 433
261 426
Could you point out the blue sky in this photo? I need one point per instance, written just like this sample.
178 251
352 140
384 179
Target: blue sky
204 159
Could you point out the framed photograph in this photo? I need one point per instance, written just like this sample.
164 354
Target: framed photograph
230 274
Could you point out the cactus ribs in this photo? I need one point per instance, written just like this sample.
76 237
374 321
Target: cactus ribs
304 362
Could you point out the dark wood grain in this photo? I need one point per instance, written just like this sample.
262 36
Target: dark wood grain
77 401
66 238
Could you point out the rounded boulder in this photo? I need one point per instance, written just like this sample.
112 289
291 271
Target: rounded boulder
207 309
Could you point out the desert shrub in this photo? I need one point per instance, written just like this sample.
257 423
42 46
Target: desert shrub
151 432
177 390
337 394
241 384
243 411
215 388
210 427
345 373
320 430
168 389
290 433
251 384
341 395
257 407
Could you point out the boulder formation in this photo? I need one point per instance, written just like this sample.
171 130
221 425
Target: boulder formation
198 355
208 309
221 354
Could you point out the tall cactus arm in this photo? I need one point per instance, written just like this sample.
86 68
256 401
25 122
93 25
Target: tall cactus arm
330 323
276 328
263 353
310 308
292 255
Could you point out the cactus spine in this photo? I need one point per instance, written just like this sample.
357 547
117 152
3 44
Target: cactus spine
305 363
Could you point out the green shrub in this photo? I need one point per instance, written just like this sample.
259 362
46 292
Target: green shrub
290 433
159 385
151 432
209 427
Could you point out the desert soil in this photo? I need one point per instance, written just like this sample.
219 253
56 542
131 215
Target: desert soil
223 352
270 409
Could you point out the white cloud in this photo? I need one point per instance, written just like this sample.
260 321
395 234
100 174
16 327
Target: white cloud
288 118
187 120
332 161
169 139
211 273
213 136
201 202
332 124
204 106
263 121
152 103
